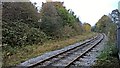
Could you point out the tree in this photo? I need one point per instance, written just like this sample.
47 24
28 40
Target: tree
56 19
16 11
19 20
51 22
106 25
87 27
115 14
103 24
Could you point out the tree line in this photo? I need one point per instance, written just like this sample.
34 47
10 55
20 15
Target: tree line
107 24
22 24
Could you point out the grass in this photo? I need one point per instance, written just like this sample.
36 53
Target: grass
108 58
17 55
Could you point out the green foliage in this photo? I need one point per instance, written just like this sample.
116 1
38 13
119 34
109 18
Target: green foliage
23 26
87 27
13 32
105 25
51 22
108 51
34 36
67 17
19 11
56 19
20 26
112 32
108 56
18 33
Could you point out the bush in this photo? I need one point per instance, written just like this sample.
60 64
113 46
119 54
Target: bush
34 36
19 33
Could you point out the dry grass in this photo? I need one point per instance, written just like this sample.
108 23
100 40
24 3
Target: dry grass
28 52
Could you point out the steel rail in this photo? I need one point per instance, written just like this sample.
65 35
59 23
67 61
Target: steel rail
37 63
86 51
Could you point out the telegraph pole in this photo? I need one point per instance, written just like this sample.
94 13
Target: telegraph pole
118 30
116 19
118 36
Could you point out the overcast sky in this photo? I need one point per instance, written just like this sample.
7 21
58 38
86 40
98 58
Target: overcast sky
89 11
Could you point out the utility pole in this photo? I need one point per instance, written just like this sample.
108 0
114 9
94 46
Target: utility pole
116 19
118 30
118 36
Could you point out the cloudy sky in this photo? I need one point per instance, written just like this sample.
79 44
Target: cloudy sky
89 11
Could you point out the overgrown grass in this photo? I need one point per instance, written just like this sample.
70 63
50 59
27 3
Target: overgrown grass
108 57
13 56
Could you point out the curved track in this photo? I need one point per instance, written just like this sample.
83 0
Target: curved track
67 57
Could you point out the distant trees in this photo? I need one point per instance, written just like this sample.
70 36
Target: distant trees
106 25
115 15
87 27
103 24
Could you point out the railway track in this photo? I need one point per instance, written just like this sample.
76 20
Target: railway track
68 57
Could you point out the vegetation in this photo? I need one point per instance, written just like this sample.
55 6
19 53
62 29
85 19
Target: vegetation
21 54
58 22
26 33
25 30
107 26
87 27
109 56
20 25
